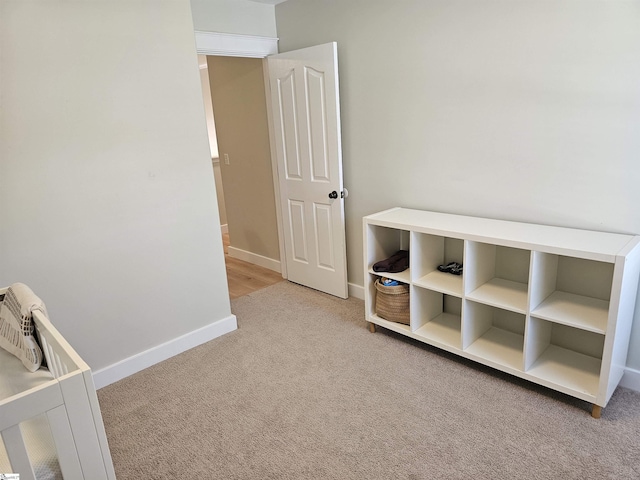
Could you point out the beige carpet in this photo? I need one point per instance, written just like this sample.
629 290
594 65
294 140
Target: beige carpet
303 390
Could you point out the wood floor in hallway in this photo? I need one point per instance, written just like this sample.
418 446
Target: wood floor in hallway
244 277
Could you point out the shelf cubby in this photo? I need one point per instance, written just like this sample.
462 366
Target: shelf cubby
497 275
393 326
572 291
567 357
383 243
494 334
548 304
436 317
429 252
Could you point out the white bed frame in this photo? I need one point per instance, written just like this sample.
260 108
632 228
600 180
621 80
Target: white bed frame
70 404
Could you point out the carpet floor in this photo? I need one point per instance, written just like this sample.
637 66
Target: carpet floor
303 390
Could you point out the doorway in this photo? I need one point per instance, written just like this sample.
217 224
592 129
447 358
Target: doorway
320 228
235 103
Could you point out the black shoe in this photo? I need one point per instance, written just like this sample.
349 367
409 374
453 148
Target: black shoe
454 267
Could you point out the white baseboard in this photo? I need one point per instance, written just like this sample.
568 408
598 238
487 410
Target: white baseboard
631 379
224 228
256 259
356 291
142 360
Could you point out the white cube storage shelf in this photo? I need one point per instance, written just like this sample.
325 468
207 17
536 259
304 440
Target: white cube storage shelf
548 304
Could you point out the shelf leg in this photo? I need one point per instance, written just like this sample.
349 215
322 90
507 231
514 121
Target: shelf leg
596 411
372 327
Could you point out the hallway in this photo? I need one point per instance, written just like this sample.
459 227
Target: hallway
244 277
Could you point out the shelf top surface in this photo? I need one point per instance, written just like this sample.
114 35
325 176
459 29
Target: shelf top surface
523 235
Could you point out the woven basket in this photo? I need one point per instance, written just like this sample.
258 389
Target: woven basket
392 303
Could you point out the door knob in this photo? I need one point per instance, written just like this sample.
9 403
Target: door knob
333 194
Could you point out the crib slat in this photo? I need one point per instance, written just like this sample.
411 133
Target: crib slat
17 452
67 355
51 362
65 446
45 347
48 351
59 367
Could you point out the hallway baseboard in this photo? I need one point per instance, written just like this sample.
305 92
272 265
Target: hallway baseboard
254 258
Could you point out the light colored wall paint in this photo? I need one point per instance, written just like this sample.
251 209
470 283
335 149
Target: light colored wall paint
208 107
213 139
222 204
522 111
234 16
239 107
109 207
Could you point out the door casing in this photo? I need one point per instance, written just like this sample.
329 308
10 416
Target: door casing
214 43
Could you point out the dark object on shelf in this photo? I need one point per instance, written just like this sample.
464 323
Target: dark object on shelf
398 262
392 303
453 267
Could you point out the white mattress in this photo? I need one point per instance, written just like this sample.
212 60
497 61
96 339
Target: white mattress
15 378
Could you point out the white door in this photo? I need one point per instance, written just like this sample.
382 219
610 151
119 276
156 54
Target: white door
306 123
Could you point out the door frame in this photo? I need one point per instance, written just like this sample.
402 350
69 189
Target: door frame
251 46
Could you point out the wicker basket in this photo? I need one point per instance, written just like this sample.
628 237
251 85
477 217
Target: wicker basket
392 303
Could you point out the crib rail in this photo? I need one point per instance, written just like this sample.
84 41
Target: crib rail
47 399
26 405
70 403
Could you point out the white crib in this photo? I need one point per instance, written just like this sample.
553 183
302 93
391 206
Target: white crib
50 420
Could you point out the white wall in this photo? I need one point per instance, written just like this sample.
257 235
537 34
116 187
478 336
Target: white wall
240 112
524 110
106 185
208 106
234 16
213 139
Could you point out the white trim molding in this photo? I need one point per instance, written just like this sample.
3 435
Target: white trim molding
157 354
631 379
234 45
254 258
356 291
274 170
